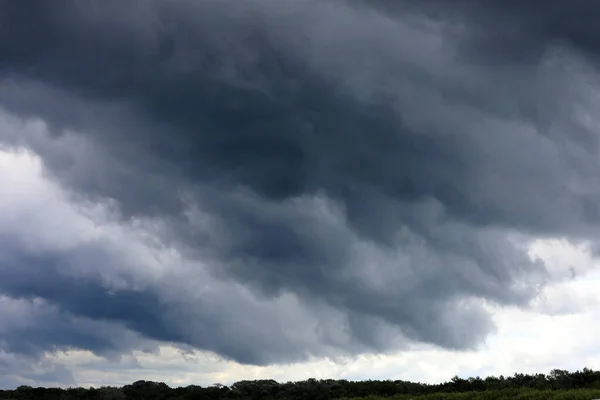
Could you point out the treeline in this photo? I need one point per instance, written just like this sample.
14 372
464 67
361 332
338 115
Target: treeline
558 384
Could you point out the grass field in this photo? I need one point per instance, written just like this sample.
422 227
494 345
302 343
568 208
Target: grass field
505 394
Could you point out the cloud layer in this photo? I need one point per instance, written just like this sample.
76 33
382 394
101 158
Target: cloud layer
278 180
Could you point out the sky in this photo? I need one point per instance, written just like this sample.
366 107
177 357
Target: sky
206 191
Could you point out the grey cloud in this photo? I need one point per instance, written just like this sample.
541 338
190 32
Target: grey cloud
375 165
116 292
17 371
305 158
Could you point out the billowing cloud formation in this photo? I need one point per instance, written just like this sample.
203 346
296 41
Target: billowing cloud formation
273 180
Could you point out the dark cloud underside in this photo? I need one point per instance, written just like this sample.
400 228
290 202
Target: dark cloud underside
374 162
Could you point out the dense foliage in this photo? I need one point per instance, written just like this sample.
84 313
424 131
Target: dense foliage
558 385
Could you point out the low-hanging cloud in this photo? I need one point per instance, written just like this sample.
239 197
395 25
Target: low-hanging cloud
275 180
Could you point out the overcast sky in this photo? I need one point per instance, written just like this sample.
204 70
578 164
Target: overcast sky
202 191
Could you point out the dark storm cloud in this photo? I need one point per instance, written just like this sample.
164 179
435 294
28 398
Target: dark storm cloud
39 278
19 371
373 163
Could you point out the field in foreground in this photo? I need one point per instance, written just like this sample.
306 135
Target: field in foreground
112 393
506 394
